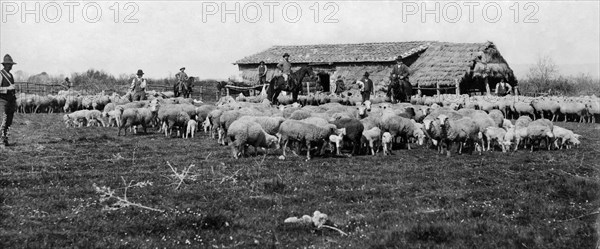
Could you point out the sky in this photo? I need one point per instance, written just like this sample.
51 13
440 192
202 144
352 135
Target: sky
120 37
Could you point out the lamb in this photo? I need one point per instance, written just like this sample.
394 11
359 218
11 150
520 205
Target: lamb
82 117
335 140
303 132
206 125
386 142
113 118
138 116
538 132
464 130
495 134
354 129
192 125
564 136
371 138
518 134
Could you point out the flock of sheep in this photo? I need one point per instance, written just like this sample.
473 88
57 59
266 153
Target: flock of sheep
332 123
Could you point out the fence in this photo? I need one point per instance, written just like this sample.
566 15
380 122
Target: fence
38 88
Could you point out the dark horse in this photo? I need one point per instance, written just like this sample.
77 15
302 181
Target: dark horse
183 88
400 90
278 84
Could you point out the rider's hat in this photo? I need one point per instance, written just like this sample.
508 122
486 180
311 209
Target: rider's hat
286 54
140 72
8 60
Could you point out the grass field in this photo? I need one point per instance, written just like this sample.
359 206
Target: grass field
412 199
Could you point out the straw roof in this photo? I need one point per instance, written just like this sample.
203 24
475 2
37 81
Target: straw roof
445 62
338 53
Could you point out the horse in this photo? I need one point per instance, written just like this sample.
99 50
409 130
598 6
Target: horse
278 84
400 90
183 88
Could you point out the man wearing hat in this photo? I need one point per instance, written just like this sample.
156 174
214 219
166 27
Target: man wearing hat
285 67
366 87
399 73
262 73
8 99
182 79
138 86
339 85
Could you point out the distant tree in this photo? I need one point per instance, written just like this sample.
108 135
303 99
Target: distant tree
544 70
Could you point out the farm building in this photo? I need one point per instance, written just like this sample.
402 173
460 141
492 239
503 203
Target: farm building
436 67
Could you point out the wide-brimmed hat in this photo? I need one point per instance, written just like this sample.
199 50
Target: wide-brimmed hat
286 54
399 58
140 72
366 74
261 62
8 60
183 68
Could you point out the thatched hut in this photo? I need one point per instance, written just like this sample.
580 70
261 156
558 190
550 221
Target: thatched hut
435 66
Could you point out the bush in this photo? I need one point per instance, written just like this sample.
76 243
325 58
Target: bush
582 84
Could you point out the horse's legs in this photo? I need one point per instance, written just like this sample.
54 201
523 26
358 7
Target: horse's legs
274 100
294 96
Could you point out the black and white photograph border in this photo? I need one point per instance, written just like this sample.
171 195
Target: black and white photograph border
299 124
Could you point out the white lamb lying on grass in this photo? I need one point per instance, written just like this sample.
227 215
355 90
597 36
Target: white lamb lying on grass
83 117
244 132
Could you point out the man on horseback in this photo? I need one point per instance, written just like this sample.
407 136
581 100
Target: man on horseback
286 68
398 78
182 80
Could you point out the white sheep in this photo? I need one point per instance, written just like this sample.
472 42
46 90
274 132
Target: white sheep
113 118
138 116
404 128
495 134
335 140
539 132
244 132
303 132
372 138
269 124
83 117
192 125
464 130
386 142
564 137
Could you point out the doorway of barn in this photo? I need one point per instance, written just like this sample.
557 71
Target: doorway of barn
324 81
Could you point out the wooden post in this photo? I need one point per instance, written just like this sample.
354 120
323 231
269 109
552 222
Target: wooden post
227 90
487 86
419 92
437 88
457 85
307 88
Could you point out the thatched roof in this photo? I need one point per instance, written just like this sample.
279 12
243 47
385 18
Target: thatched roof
338 53
446 62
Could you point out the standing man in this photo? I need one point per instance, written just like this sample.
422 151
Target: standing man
262 73
138 86
67 84
503 88
339 85
8 99
399 73
286 67
366 87
182 79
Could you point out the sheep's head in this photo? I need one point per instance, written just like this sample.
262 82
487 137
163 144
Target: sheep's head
206 125
272 141
549 133
341 132
386 137
442 118
362 111
427 123
420 136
